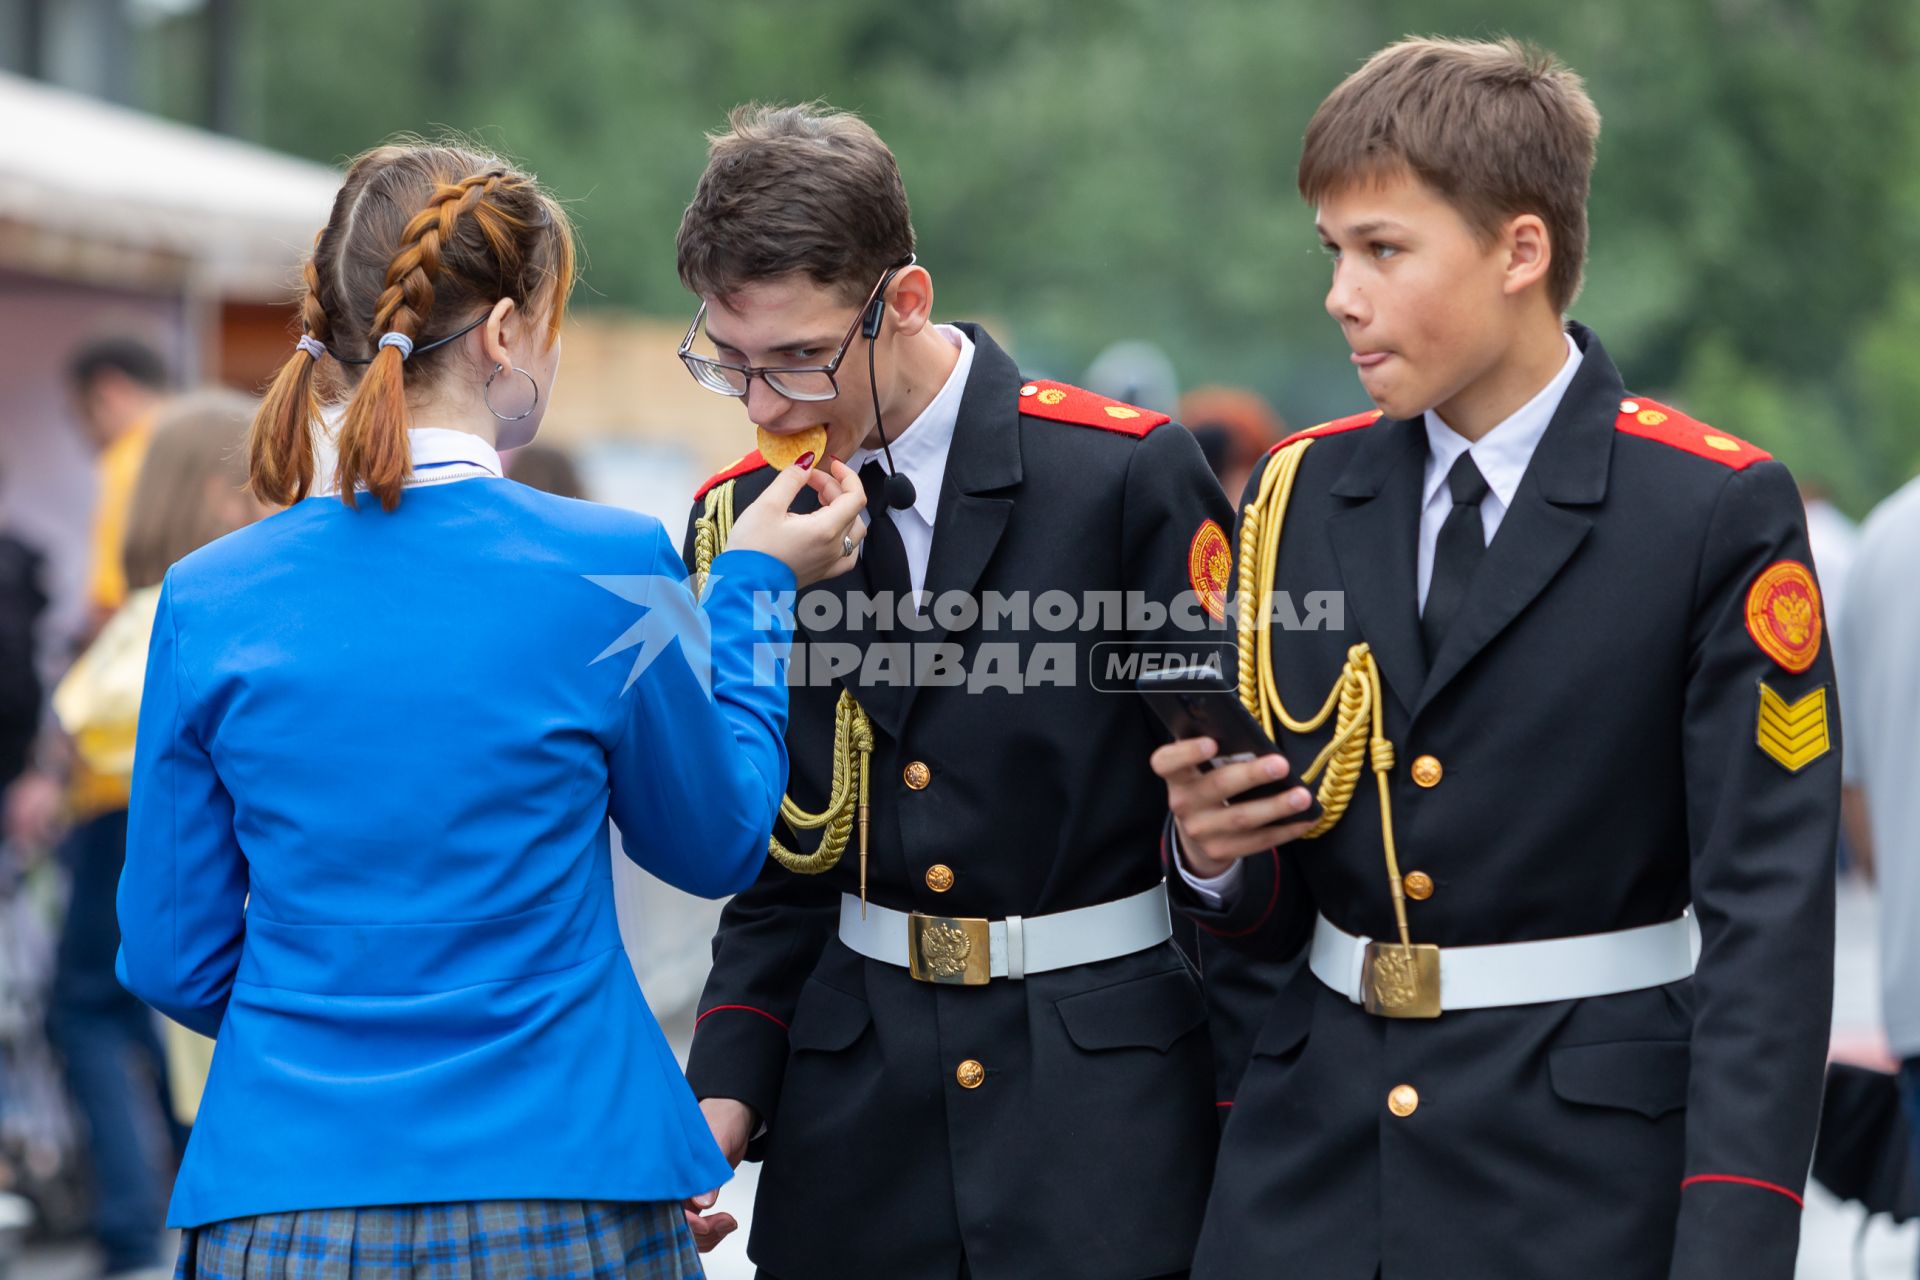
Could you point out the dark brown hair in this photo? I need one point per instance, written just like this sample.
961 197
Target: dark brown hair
198 441
1497 128
419 234
791 190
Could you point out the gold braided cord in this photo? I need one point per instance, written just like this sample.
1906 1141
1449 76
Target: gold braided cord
852 731
1355 702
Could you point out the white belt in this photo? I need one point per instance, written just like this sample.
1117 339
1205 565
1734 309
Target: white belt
967 951
1513 973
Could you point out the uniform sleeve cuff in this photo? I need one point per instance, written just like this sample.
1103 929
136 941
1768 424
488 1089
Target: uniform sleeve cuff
1215 891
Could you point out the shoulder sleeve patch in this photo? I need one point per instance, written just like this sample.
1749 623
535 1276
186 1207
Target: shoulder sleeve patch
1209 566
1058 402
1352 422
1783 614
752 462
1651 420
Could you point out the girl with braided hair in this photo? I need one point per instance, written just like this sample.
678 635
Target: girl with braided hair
382 735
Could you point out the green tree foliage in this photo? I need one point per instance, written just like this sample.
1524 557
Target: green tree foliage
1089 170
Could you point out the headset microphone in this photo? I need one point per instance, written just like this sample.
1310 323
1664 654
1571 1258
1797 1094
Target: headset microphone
899 491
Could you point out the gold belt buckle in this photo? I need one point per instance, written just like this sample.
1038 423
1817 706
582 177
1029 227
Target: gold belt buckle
951 950
1401 980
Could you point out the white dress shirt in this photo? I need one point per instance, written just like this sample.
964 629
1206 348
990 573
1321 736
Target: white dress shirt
920 454
1502 456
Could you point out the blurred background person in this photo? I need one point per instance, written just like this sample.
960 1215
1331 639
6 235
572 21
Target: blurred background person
118 384
1834 538
1135 372
1877 666
548 468
22 600
1235 427
190 490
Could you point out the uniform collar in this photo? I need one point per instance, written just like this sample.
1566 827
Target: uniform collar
1503 453
920 451
441 454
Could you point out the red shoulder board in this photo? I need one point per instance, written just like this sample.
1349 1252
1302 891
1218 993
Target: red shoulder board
1352 422
752 462
1058 402
1651 420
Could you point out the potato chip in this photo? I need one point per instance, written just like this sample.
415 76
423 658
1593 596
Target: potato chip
784 450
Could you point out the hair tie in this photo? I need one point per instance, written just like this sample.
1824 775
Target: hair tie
397 340
311 345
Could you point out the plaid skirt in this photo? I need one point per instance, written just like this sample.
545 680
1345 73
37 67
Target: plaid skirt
474 1240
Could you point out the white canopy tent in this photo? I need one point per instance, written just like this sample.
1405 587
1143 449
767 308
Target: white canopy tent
94 192
112 221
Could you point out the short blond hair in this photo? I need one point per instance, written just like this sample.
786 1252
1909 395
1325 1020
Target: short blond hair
1497 127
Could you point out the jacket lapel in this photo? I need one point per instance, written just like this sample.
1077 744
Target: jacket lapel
982 463
1540 532
1377 544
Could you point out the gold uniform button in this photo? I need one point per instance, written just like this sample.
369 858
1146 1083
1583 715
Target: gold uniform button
1419 885
1403 1101
917 775
970 1074
939 877
1427 771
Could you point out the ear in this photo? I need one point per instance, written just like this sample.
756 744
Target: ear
497 334
910 300
1529 252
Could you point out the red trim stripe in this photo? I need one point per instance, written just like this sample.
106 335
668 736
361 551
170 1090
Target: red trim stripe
1739 1181
744 1007
1273 900
1223 1104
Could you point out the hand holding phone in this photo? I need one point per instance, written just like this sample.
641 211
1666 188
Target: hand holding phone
1225 777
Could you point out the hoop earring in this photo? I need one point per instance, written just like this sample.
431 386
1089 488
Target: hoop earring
486 394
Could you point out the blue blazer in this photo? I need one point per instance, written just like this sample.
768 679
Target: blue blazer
368 842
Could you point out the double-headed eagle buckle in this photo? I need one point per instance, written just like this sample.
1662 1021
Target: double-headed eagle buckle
951 950
1402 980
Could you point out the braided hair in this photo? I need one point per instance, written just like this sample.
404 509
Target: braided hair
421 237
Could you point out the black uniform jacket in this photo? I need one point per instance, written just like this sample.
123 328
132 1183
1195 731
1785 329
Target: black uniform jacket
1087 1149
1632 715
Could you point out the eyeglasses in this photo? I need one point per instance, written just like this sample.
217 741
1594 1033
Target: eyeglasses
792 382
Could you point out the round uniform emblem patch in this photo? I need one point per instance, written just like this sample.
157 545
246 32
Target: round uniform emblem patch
1783 615
1209 564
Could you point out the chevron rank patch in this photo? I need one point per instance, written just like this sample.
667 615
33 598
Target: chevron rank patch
1795 733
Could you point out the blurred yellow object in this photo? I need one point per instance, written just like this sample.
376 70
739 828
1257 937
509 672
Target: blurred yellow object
119 472
98 704
189 1057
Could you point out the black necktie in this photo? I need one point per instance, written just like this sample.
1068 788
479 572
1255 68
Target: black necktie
883 553
1457 553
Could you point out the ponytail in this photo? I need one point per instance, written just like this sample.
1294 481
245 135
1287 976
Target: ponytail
374 453
280 442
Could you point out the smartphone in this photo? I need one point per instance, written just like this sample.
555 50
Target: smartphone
1196 702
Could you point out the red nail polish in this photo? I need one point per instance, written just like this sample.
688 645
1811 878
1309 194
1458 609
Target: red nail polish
805 460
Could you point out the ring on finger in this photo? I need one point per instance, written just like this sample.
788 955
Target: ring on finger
846 543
